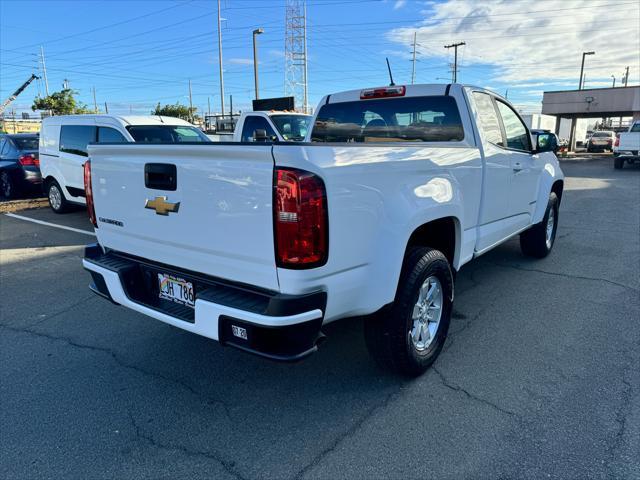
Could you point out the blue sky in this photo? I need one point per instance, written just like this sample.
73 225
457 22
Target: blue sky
138 53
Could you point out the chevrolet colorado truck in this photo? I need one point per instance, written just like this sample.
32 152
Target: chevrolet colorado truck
627 146
258 245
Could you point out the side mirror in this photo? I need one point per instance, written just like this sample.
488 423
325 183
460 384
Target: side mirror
260 135
546 142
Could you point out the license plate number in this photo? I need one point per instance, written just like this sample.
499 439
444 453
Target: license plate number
176 289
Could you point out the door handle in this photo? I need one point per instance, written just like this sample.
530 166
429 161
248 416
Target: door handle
517 167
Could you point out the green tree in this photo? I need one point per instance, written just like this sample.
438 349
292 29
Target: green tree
61 103
176 110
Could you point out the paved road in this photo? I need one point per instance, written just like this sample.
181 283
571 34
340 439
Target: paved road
540 377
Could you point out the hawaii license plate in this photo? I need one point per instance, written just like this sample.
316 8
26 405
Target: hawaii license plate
176 289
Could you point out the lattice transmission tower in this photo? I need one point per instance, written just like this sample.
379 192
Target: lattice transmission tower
295 53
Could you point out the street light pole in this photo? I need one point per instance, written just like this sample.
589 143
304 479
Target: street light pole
581 83
257 31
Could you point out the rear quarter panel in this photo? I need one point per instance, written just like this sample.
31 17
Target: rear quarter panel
377 196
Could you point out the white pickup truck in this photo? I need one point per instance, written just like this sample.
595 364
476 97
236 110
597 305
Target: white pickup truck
263 126
627 146
258 245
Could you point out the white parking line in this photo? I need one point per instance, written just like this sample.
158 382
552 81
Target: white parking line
48 224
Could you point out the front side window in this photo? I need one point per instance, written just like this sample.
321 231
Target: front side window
110 135
166 134
253 123
635 127
75 138
408 119
488 118
515 131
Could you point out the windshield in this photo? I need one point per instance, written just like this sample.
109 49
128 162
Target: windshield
166 134
26 143
292 127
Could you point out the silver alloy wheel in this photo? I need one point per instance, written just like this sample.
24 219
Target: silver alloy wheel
551 221
55 197
426 314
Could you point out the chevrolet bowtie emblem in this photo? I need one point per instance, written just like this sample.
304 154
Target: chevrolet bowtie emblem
161 206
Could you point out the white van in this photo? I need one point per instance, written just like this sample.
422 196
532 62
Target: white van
64 140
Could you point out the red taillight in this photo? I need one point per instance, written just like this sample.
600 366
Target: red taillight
88 192
617 142
383 92
29 160
300 219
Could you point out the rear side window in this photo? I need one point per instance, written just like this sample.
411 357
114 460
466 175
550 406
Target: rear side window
409 119
166 134
110 135
488 118
75 138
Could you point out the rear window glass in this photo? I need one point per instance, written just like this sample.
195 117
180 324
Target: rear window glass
75 138
166 134
410 119
602 134
26 143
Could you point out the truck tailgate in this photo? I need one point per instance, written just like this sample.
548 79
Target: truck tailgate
223 221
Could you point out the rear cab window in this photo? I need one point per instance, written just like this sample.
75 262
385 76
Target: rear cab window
407 119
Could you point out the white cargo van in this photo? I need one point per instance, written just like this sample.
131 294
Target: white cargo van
64 140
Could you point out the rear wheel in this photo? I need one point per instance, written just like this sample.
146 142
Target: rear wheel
7 185
57 202
539 239
618 163
408 336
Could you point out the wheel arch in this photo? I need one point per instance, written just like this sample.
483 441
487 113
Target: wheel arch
442 234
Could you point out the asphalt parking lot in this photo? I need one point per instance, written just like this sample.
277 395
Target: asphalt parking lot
539 379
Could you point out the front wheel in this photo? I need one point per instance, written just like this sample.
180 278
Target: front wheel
7 186
57 202
408 336
539 239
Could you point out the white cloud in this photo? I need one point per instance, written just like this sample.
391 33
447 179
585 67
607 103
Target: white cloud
399 4
241 61
531 43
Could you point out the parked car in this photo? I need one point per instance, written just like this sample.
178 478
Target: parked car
64 140
258 246
601 140
19 164
627 146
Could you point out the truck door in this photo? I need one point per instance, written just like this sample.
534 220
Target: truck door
494 223
526 167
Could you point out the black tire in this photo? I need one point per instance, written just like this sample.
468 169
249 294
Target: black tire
618 163
7 185
533 242
388 333
58 207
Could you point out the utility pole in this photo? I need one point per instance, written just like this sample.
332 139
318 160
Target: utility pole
95 104
626 76
614 81
581 83
230 105
209 106
295 53
190 104
44 71
220 62
257 31
106 107
413 68
455 58
306 96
